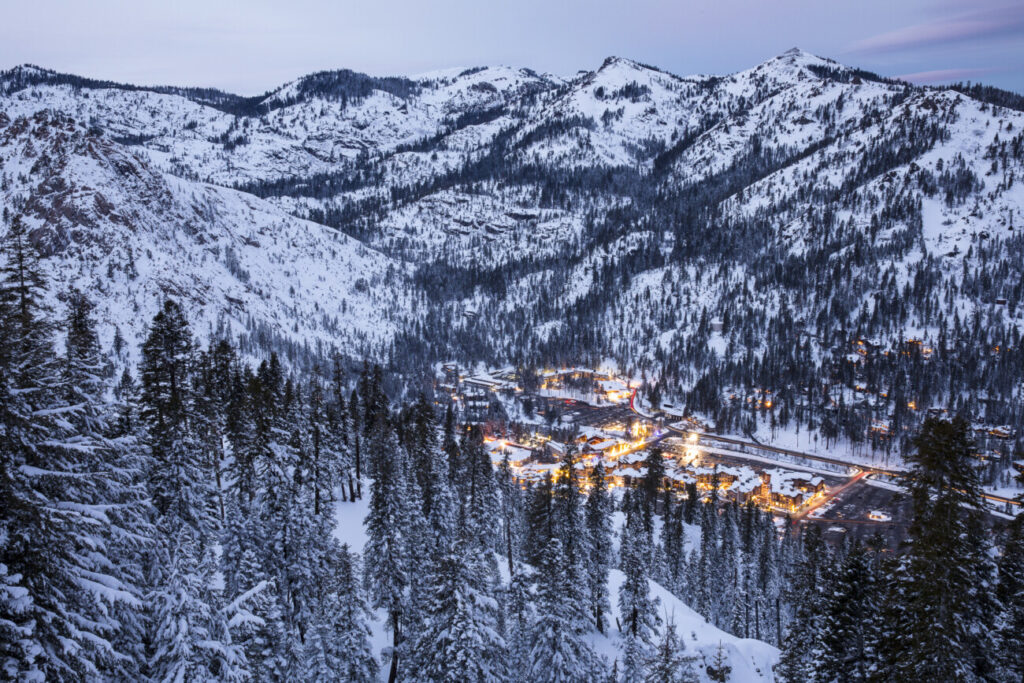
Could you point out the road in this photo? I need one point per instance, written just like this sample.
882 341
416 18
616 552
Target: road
866 469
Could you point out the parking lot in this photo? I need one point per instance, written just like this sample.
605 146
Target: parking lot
850 509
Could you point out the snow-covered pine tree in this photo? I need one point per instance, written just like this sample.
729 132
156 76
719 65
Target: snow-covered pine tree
191 636
539 521
111 466
385 565
180 479
450 445
719 669
559 651
725 574
459 638
480 493
797 660
567 522
510 503
651 487
638 616
598 522
420 549
668 663
945 631
62 591
519 618
189 632
242 567
337 644
844 647
1010 592
673 548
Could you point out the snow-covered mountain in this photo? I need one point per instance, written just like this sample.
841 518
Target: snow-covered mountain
714 234
113 226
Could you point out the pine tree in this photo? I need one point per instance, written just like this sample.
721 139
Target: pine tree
459 640
797 660
191 636
1010 591
338 640
673 548
180 478
190 627
719 669
653 482
385 563
539 521
64 592
668 663
519 618
637 609
844 650
598 520
559 652
511 506
945 627
480 494
567 523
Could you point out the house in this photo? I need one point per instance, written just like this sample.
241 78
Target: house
518 455
789 490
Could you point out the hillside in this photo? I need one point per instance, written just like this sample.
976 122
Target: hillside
751 660
848 242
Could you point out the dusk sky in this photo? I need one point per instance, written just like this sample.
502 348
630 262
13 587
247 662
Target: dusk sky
250 47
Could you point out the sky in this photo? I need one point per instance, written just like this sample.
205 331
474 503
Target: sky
253 46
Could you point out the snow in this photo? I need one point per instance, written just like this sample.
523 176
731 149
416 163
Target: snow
751 659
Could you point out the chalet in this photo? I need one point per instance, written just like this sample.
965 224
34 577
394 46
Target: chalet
518 455
789 490
483 383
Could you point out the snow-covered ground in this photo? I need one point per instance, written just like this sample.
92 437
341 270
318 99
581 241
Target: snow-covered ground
751 660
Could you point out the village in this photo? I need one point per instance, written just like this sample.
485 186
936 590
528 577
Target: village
592 413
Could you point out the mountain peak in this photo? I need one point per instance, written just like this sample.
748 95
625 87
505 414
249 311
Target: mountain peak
612 60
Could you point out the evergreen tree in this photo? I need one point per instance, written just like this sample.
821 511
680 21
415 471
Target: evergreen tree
844 651
797 660
598 520
637 609
559 651
511 506
64 589
189 632
480 490
385 563
337 645
180 480
945 630
519 618
1010 591
673 548
459 640
668 663
539 521
719 669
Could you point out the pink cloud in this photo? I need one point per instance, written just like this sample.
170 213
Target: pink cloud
988 23
944 75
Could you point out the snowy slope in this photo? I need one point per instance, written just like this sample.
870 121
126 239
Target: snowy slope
111 225
609 215
751 660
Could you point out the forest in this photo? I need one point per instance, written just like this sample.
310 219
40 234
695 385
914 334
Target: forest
174 521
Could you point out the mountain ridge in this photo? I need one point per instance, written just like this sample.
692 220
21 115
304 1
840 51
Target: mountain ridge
610 215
